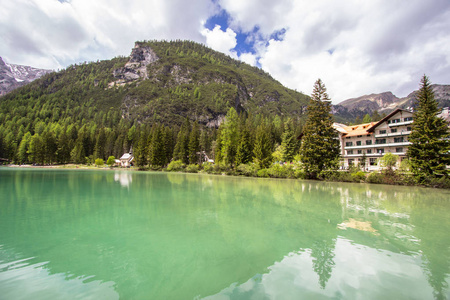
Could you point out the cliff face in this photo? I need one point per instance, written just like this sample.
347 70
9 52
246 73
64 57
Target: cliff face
13 76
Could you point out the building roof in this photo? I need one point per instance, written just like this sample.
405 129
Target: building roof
126 156
387 117
359 129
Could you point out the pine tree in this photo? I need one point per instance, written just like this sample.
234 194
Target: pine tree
244 150
181 151
288 142
229 136
429 151
194 144
156 149
263 147
320 146
367 118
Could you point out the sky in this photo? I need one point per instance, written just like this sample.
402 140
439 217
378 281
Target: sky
356 47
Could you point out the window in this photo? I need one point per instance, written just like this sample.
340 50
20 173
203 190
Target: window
358 143
380 141
359 151
347 144
398 140
358 136
398 150
396 121
393 130
348 137
380 151
350 161
382 131
407 119
408 128
349 152
372 161
368 142
369 151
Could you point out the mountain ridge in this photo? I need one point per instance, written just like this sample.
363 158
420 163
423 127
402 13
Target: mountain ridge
386 102
13 76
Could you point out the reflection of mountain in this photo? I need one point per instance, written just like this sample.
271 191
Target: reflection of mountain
182 236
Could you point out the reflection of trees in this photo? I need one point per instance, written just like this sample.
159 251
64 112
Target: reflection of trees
323 254
430 218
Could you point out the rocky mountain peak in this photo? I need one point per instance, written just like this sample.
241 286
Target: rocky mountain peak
136 67
13 76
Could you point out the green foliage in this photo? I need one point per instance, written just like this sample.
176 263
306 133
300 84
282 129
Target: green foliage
288 144
248 169
429 152
358 176
175 166
388 160
229 135
192 168
208 167
263 173
99 162
262 150
281 171
367 118
320 146
111 161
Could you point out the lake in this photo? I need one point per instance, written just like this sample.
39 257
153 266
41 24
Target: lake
88 234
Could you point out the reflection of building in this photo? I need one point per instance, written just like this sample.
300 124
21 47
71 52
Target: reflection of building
371 140
123 178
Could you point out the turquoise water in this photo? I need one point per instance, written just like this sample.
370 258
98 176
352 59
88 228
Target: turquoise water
84 234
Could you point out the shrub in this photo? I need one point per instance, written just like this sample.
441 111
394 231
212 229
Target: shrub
99 162
375 178
208 167
299 173
111 161
192 168
247 169
442 182
263 173
281 171
176 165
358 176
221 168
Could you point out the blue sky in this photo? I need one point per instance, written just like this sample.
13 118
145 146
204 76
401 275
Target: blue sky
356 47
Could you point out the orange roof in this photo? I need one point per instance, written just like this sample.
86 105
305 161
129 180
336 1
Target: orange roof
359 129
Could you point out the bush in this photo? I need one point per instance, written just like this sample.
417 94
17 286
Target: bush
281 171
375 178
192 168
208 167
247 169
111 161
221 168
263 173
358 176
176 165
442 182
99 162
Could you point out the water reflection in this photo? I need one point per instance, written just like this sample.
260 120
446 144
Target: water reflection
182 236
124 178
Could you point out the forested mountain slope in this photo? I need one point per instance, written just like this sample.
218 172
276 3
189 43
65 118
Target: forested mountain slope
161 83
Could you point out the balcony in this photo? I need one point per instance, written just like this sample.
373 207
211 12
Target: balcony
401 133
400 123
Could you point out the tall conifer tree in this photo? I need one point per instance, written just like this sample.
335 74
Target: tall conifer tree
263 147
320 145
288 142
429 151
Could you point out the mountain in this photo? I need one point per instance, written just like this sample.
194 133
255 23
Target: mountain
350 109
160 81
13 76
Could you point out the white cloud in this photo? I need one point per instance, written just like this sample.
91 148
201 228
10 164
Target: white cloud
222 41
51 34
355 47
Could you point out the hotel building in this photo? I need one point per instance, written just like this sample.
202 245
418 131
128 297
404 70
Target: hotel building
371 140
